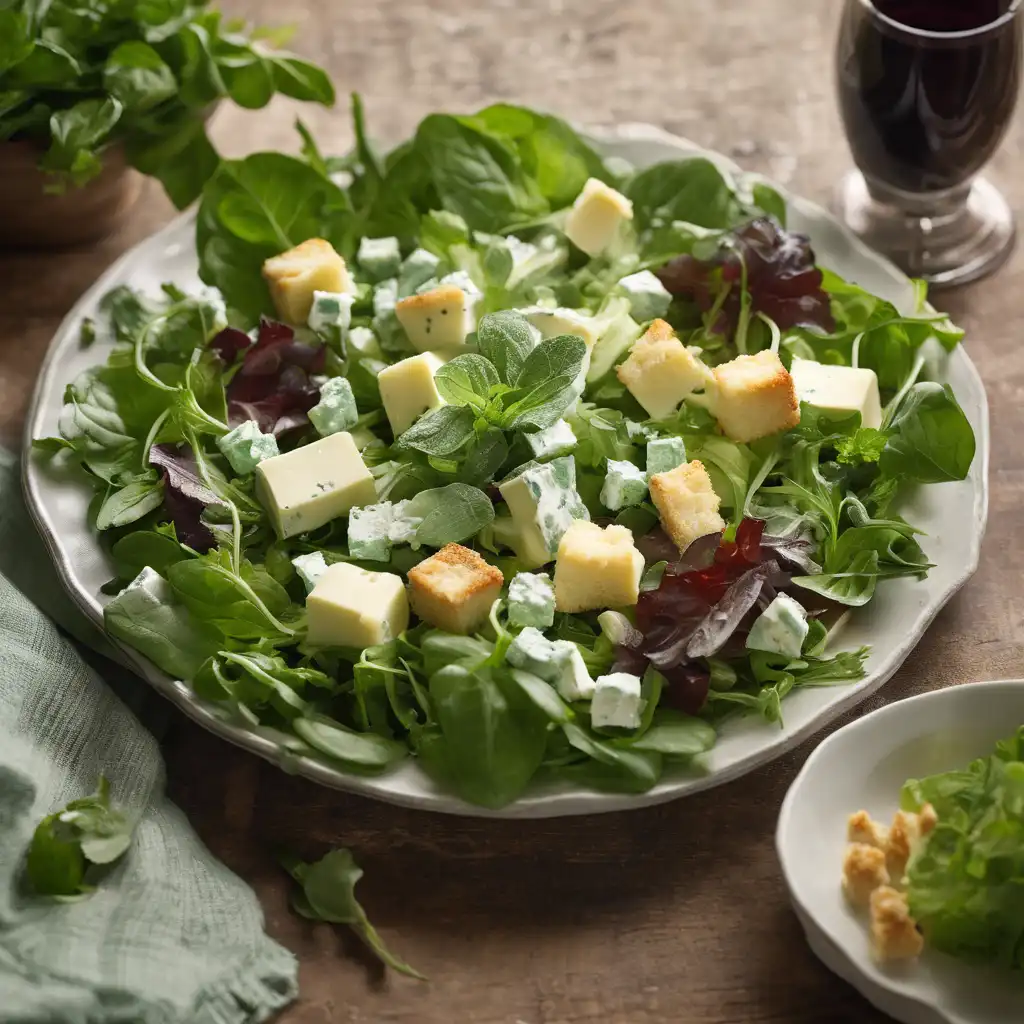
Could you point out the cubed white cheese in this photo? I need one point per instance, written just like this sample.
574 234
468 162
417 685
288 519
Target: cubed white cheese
310 568
336 409
780 629
308 487
331 314
616 703
544 504
558 662
146 591
596 217
753 396
454 589
379 257
441 318
660 371
624 484
531 600
295 275
419 267
838 391
557 439
246 447
648 297
597 568
553 322
385 297
665 454
687 503
407 390
352 607
364 341
369 529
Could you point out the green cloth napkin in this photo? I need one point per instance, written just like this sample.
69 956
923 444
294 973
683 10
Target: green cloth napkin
171 935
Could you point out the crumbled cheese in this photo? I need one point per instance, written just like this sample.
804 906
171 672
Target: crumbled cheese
557 439
616 703
246 447
379 257
648 297
531 600
310 568
665 454
336 409
624 484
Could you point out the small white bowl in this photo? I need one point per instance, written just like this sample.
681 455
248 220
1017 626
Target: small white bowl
865 765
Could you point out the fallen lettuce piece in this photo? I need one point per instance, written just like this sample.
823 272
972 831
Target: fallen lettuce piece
328 893
69 846
966 881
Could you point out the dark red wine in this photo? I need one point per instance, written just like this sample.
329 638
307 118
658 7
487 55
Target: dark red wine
924 112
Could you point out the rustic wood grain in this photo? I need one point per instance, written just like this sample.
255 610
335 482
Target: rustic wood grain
674 914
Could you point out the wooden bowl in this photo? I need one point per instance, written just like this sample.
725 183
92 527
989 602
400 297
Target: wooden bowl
32 218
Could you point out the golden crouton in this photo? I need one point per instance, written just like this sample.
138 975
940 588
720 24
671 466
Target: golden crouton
863 872
862 828
454 589
295 275
687 503
754 396
893 931
908 829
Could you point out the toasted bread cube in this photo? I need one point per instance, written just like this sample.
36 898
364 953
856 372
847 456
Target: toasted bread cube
686 503
905 835
454 589
596 569
755 397
863 872
660 371
893 931
437 319
353 607
295 275
407 390
862 828
595 218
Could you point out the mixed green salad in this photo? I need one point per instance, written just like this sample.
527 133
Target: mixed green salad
501 455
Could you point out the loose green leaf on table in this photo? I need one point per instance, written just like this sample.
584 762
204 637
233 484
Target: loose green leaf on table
328 893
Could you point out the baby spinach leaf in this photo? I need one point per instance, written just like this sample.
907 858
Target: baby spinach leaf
623 768
68 844
328 894
676 735
489 745
467 380
450 514
692 190
364 750
136 75
255 208
129 504
301 80
476 174
931 440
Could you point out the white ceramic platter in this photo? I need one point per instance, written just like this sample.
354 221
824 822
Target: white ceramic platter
864 765
953 515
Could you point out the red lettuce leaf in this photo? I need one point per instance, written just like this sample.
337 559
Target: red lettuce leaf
186 496
783 280
273 385
230 343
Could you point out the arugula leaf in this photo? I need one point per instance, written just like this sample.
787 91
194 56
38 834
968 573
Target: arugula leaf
69 845
328 894
676 735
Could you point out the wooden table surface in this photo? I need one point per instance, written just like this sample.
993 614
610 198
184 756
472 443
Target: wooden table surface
674 914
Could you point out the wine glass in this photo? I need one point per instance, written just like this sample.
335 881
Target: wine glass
927 89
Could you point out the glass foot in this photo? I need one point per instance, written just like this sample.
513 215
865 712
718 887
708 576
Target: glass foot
946 240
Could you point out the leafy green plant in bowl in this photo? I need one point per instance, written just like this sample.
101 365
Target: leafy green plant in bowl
89 90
